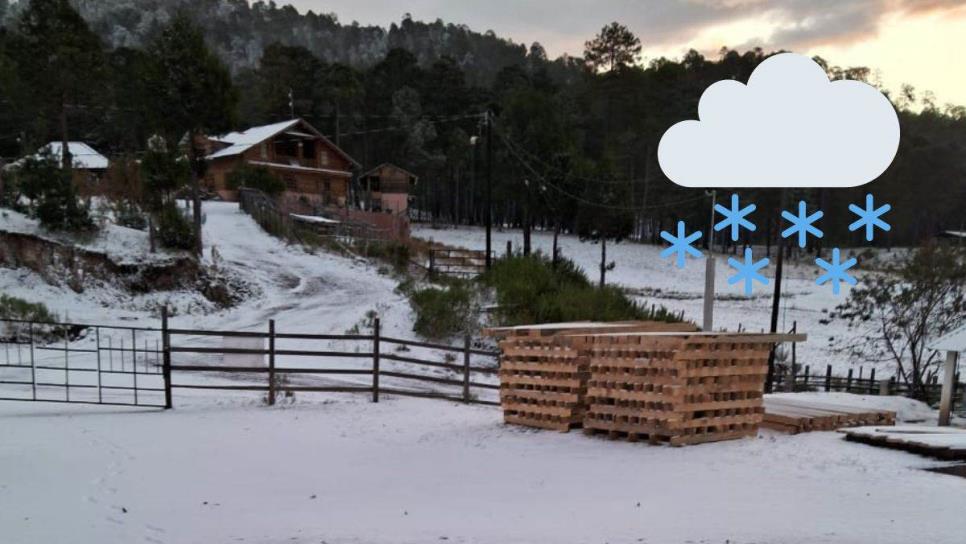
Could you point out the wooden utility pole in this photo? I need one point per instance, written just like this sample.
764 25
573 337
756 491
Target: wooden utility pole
708 324
65 158
776 302
603 261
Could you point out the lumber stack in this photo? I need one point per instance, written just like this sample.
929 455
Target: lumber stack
544 370
803 415
677 388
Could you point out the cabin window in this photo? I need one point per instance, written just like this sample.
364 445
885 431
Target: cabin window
291 183
308 150
264 150
323 157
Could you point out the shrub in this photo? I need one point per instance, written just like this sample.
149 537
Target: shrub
128 214
396 254
532 290
18 308
443 311
255 178
174 230
59 208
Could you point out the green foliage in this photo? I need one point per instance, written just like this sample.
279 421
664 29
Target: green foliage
615 47
531 290
191 87
442 312
396 254
18 308
60 209
906 306
174 230
257 177
128 214
163 172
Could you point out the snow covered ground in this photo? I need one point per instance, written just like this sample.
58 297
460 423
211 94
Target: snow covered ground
640 268
323 293
344 470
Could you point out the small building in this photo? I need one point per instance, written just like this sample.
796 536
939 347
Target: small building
316 172
87 165
387 188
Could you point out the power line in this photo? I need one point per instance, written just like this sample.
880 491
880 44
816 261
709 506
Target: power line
511 147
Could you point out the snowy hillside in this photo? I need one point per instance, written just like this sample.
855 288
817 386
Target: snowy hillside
655 280
303 292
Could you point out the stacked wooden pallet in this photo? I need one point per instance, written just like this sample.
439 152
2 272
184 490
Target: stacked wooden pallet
678 388
803 415
544 370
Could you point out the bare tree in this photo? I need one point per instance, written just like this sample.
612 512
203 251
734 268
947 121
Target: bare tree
904 307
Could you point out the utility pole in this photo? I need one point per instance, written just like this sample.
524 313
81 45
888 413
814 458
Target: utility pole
776 301
488 216
195 188
714 200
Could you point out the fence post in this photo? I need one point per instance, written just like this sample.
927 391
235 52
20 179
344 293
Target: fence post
432 261
271 362
828 378
375 360
806 377
466 368
848 382
33 367
166 360
885 387
509 249
872 381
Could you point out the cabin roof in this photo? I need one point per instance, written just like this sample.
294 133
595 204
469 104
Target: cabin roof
83 156
390 165
241 141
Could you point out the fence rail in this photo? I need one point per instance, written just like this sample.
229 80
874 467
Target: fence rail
188 359
862 383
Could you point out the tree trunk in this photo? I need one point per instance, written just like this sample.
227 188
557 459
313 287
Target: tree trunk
195 191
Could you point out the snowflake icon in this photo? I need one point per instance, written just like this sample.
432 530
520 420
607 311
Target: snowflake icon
747 271
802 224
835 271
869 217
680 244
734 217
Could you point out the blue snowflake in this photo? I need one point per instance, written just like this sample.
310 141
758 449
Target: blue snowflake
802 224
835 271
734 217
680 244
869 217
747 271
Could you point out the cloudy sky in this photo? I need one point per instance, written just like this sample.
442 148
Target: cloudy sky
922 42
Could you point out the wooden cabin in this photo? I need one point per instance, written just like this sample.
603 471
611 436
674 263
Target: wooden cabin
316 172
88 167
387 188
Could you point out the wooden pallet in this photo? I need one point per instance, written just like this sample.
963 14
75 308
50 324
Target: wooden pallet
948 443
677 388
804 415
544 371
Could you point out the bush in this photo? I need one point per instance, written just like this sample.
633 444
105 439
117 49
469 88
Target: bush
18 308
59 208
530 290
128 214
396 254
174 229
255 178
443 312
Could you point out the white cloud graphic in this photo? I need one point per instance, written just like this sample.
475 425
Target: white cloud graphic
788 127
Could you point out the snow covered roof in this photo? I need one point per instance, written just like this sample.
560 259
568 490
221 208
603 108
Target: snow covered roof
240 142
954 341
83 156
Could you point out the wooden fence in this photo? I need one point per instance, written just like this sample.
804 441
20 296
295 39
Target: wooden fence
860 383
175 359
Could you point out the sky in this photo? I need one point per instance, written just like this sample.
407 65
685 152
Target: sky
920 42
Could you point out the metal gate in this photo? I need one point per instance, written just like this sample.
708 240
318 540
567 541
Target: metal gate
80 363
